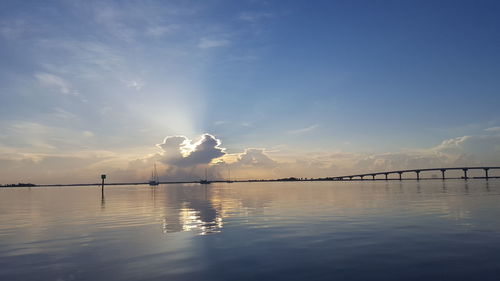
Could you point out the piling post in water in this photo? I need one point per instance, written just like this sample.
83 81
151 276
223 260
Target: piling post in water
442 173
486 173
103 177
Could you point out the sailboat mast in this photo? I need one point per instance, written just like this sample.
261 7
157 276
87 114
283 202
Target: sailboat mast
155 173
154 176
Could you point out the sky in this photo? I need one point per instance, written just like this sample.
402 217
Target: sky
247 89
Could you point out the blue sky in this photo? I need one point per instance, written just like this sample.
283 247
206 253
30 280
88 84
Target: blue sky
104 81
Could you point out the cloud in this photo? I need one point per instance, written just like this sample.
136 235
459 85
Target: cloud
129 22
454 145
253 163
48 169
254 17
397 161
493 129
182 152
135 84
14 28
304 130
185 160
473 150
476 149
255 157
90 59
112 20
173 148
88 134
181 158
160 30
206 43
56 82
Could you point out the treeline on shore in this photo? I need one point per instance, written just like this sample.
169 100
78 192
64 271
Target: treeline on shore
21 184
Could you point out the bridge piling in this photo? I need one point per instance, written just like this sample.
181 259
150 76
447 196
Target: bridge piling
400 173
386 176
418 174
486 172
465 173
442 173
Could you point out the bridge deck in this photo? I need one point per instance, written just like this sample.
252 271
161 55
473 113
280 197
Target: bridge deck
418 171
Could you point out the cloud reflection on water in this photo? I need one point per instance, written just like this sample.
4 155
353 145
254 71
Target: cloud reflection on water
160 233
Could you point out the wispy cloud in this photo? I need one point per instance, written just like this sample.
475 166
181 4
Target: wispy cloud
254 16
304 130
129 22
493 129
160 30
35 137
135 84
206 43
13 29
54 81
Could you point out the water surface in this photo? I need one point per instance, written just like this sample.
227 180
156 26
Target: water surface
427 230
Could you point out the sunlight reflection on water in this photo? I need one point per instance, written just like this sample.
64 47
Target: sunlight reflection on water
291 231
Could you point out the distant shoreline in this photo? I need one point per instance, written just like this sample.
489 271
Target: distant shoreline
234 181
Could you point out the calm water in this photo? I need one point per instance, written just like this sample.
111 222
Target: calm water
253 231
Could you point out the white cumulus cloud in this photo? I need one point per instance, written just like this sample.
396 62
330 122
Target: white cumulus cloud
182 152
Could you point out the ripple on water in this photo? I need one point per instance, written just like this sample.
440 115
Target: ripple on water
426 230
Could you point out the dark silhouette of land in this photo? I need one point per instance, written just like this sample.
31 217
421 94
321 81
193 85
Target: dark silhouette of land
18 185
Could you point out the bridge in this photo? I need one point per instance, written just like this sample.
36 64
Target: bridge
417 173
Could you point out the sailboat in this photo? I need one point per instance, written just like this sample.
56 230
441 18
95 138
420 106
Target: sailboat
154 177
205 181
229 175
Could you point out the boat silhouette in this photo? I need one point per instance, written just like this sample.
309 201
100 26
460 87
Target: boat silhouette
205 181
154 177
